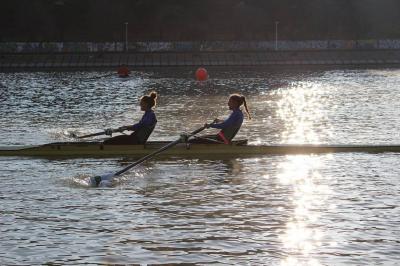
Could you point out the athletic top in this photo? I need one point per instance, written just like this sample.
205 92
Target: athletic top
144 128
230 126
148 120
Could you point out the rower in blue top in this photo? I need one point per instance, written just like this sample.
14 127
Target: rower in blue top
141 130
230 126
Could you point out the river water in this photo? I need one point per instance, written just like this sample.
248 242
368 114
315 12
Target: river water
330 209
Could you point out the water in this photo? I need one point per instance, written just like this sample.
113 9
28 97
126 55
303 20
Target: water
327 209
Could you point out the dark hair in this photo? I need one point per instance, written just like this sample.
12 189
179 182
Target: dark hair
240 99
150 99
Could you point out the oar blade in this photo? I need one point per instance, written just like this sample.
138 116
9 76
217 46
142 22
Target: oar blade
101 180
106 180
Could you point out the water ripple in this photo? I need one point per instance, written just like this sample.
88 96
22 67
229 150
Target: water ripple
269 210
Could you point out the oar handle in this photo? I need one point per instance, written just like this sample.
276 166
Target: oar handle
100 133
91 135
197 131
159 151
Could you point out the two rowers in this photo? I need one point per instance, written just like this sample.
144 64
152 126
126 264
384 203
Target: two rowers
143 129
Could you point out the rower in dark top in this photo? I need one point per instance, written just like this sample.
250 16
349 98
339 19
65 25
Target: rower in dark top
141 130
230 126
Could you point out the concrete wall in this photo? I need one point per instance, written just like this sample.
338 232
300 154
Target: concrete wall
206 46
54 61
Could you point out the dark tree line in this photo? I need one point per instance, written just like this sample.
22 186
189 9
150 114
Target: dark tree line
187 20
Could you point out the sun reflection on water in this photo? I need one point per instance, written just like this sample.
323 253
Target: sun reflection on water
304 112
302 235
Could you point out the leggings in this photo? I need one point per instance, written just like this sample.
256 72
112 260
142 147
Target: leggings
207 139
122 140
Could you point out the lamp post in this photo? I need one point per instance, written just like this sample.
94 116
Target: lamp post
126 36
276 35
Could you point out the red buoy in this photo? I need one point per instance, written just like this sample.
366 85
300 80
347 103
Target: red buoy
201 74
123 71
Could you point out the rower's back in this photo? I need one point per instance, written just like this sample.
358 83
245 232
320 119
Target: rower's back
142 134
141 130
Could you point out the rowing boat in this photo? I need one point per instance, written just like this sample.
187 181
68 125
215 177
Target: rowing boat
236 149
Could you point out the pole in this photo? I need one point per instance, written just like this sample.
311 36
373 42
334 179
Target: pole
126 36
276 35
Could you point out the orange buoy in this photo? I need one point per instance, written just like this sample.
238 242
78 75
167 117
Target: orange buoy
123 71
201 74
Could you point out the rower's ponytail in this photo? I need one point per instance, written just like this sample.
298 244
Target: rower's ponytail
241 100
246 108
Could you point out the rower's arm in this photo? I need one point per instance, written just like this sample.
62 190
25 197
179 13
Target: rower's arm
228 122
147 120
125 128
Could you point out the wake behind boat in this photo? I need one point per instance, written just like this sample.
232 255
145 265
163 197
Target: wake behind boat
237 148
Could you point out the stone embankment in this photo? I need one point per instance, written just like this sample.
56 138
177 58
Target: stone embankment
55 61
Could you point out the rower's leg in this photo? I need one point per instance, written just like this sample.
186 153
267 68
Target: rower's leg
121 140
207 139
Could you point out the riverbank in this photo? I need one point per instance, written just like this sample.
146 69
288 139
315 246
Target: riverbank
55 61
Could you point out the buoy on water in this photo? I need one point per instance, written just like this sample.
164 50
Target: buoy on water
201 74
123 71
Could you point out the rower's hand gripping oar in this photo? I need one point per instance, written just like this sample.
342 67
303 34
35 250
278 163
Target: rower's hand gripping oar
96 180
108 132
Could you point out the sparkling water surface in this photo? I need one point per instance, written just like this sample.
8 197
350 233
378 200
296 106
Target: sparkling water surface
329 209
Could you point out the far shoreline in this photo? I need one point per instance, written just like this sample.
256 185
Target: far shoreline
10 62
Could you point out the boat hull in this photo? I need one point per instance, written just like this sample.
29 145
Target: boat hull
240 148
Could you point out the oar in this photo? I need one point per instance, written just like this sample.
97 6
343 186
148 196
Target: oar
106 178
105 132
